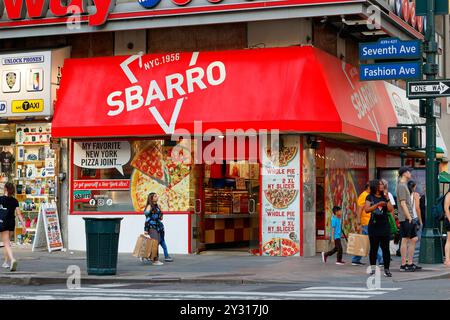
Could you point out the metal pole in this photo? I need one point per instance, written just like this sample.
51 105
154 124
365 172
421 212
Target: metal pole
430 244
402 157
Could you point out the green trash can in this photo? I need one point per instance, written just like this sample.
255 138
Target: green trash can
102 245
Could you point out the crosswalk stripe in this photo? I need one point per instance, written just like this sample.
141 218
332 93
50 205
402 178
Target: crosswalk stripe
351 288
339 292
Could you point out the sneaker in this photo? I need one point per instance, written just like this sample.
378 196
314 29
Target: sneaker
387 274
324 257
168 259
340 263
5 265
403 268
157 263
416 267
410 268
13 266
359 263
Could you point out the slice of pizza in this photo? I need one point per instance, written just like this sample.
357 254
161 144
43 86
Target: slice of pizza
272 247
150 162
283 157
180 196
141 186
289 247
177 163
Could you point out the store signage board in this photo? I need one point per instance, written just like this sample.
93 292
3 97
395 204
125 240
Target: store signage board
428 89
48 231
441 7
28 82
390 48
408 70
52 12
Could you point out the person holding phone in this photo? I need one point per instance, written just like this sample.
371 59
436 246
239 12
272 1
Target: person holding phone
379 206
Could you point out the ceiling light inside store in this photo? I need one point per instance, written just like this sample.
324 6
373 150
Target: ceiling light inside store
221 137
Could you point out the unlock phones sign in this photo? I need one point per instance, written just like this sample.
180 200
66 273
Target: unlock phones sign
2 107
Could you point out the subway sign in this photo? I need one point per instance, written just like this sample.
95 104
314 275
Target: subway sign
26 13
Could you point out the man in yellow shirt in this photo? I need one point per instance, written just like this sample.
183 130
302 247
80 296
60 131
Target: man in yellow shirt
362 220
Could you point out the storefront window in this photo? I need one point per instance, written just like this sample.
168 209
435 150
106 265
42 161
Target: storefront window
346 175
117 176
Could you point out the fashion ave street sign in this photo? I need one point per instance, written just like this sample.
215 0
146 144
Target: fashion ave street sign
15 13
393 70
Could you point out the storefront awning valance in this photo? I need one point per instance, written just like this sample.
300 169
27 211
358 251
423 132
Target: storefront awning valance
444 177
295 89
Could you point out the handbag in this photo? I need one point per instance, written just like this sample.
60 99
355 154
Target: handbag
392 224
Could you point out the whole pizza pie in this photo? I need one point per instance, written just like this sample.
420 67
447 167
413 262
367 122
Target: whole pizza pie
283 157
280 198
280 247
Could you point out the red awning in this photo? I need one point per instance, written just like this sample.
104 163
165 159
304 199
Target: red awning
296 89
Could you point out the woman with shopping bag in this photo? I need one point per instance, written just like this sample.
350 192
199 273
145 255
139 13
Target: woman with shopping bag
153 224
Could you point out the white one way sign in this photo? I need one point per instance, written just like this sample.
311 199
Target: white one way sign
428 89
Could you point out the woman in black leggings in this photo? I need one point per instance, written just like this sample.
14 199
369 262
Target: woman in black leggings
378 205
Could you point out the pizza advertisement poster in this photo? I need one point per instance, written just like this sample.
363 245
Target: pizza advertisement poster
281 199
344 181
127 171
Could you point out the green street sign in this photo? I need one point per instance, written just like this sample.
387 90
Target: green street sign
442 7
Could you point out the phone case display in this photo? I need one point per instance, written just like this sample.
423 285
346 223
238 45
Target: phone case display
35 175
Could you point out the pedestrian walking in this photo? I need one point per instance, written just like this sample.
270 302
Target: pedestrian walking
9 208
362 219
336 233
408 230
379 206
153 224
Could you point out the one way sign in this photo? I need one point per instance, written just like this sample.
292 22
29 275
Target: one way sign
428 89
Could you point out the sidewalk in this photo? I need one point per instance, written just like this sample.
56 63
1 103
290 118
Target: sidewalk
38 268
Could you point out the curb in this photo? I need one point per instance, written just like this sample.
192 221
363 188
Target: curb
445 275
39 281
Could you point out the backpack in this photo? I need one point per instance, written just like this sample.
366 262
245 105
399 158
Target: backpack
438 211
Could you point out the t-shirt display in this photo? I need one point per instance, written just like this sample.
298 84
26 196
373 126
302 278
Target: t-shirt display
6 162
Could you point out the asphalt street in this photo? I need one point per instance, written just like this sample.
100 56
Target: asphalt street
411 290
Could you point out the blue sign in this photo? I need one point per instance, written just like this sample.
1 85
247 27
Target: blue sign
391 71
148 4
2 107
391 48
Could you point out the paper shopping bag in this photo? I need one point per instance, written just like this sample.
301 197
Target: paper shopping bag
358 245
145 247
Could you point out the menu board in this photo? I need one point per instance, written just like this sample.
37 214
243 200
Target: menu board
281 197
48 224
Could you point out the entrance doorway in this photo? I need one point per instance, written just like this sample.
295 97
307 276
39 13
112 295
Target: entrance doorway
227 206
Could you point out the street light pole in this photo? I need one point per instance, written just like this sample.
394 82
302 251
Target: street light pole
430 244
